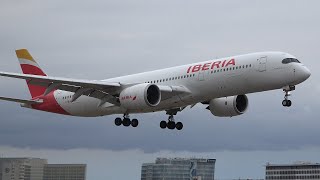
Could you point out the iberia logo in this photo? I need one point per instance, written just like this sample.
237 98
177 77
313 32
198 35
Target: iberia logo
129 97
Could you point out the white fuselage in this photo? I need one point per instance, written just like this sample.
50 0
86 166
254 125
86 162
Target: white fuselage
205 80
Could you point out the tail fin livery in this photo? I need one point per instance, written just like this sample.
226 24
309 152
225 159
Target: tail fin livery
30 66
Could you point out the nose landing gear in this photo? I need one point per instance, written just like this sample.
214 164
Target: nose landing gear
286 102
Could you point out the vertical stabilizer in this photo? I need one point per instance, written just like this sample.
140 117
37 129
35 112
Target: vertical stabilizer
30 66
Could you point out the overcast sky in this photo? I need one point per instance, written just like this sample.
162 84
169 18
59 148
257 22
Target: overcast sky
99 39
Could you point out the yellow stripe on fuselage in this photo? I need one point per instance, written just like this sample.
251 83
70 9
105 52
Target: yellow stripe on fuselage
24 54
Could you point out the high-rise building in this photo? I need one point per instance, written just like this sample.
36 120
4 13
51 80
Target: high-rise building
21 168
64 172
39 169
179 169
295 171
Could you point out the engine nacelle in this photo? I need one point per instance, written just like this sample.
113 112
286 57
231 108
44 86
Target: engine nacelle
140 96
229 106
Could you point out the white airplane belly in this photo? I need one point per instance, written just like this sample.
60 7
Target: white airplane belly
83 106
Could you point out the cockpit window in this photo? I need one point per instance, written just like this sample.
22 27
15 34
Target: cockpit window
290 60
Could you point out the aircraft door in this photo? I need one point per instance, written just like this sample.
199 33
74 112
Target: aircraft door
202 75
262 64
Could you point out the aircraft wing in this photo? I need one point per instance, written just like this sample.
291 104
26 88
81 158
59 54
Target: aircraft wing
98 89
21 100
92 88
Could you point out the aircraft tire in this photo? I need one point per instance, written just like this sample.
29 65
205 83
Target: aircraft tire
171 125
134 122
289 103
126 122
179 125
118 121
284 103
163 124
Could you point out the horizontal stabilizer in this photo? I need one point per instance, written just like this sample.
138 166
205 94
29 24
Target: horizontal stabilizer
29 102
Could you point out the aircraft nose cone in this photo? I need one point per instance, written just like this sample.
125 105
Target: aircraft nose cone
303 74
306 73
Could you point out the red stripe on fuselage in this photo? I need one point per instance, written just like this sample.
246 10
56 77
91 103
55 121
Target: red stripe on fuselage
30 69
49 104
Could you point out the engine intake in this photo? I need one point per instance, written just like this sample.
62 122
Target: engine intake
229 106
140 96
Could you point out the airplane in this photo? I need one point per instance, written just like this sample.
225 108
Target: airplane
220 84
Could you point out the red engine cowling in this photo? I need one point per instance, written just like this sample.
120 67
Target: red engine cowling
140 96
229 106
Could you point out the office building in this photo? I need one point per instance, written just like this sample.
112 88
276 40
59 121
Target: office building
39 169
21 168
179 169
64 172
295 171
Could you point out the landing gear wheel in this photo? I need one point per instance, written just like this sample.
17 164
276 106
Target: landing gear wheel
163 124
118 121
134 122
179 125
171 125
289 103
126 122
284 103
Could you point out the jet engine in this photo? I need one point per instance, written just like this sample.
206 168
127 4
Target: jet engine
140 96
229 106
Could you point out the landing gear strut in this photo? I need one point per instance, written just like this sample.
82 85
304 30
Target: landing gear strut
286 102
126 121
171 124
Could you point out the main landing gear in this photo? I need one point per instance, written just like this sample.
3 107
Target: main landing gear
286 102
171 124
126 121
